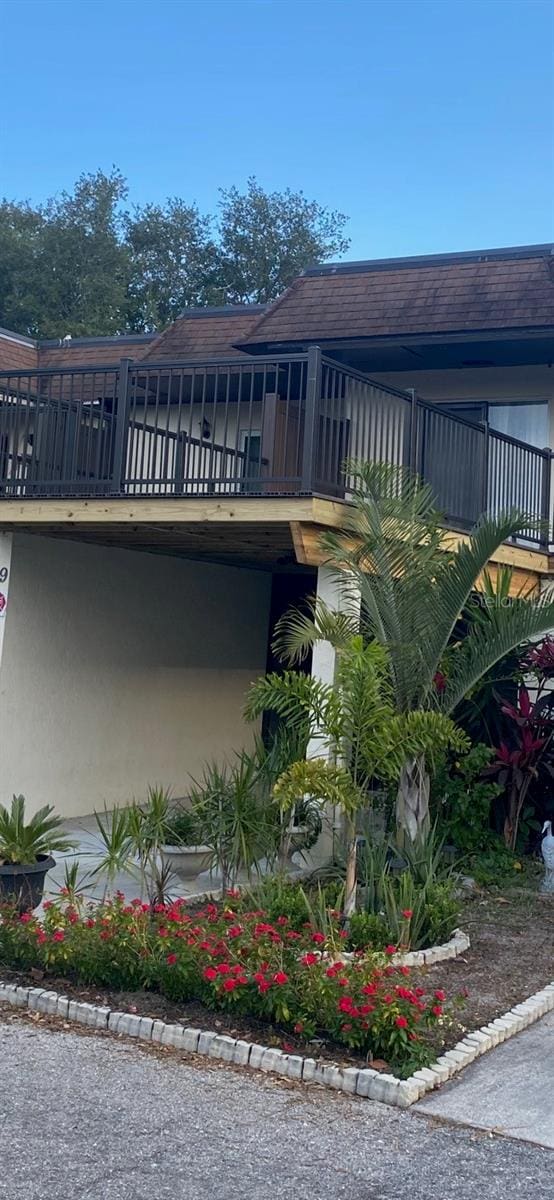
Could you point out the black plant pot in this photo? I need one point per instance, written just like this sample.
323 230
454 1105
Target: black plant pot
22 884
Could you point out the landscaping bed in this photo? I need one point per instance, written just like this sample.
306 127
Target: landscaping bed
511 956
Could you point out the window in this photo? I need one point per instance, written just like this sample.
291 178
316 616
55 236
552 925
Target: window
528 422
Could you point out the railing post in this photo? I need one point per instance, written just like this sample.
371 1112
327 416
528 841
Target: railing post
485 478
121 425
545 498
313 397
413 462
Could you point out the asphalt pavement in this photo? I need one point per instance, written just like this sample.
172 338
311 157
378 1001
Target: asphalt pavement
88 1117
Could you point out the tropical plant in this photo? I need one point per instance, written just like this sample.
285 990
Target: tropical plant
462 800
413 582
233 818
147 826
358 731
116 846
517 761
26 843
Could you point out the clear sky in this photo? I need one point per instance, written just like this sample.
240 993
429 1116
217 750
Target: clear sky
429 122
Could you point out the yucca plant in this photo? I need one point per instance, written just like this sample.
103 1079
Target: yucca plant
26 843
414 582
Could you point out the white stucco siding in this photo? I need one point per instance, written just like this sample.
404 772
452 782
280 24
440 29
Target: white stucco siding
122 669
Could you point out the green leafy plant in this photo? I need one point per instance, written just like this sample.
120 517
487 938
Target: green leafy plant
391 556
233 818
462 800
359 732
181 828
24 842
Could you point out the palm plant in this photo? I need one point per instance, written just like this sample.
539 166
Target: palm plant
358 730
414 581
24 842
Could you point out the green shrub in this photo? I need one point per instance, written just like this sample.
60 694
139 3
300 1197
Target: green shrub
462 800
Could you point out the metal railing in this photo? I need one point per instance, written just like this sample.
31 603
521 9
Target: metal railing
268 427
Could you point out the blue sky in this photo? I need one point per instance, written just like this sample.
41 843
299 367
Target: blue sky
430 124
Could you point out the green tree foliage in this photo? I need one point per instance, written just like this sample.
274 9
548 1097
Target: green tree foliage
267 238
84 264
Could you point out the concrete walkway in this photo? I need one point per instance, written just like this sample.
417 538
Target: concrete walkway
93 1118
510 1090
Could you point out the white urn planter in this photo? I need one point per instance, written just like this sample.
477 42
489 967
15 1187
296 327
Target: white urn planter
188 861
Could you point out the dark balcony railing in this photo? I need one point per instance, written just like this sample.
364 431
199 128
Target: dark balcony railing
269 427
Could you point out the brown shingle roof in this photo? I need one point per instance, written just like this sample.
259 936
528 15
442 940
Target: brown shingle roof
16 353
204 333
94 352
508 289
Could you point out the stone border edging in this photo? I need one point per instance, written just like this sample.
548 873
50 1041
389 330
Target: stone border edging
357 1081
457 944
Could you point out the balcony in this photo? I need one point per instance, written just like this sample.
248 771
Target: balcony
248 427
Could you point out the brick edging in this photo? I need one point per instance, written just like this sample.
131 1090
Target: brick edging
364 1081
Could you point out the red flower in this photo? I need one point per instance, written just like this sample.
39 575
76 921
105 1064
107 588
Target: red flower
439 680
298 1027
343 982
440 995
280 977
390 949
230 985
163 932
234 931
401 1022
345 1004
436 1010
25 917
58 935
407 913
264 985
90 923
210 974
369 989
171 960
309 959
318 938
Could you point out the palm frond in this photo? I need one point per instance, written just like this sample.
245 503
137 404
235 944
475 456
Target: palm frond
486 644
304 703
299 629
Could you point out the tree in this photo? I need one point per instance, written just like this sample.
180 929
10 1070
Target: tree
391 552
20 230
174 263
84 264
362 737
267 238
81 264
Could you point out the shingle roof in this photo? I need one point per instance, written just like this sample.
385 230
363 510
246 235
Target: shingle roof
94 352
488 290
204 333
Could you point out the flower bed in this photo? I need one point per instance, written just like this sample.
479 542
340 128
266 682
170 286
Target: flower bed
238 962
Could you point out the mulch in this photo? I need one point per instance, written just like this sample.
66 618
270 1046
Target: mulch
511 956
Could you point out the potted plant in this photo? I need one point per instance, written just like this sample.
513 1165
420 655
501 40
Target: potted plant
182 847
26 852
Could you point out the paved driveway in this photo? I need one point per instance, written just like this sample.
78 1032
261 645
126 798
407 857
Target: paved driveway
93 1118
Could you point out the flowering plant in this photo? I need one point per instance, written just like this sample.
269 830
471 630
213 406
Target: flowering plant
233 960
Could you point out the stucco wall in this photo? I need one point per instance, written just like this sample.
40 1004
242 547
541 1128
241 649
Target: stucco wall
120 669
